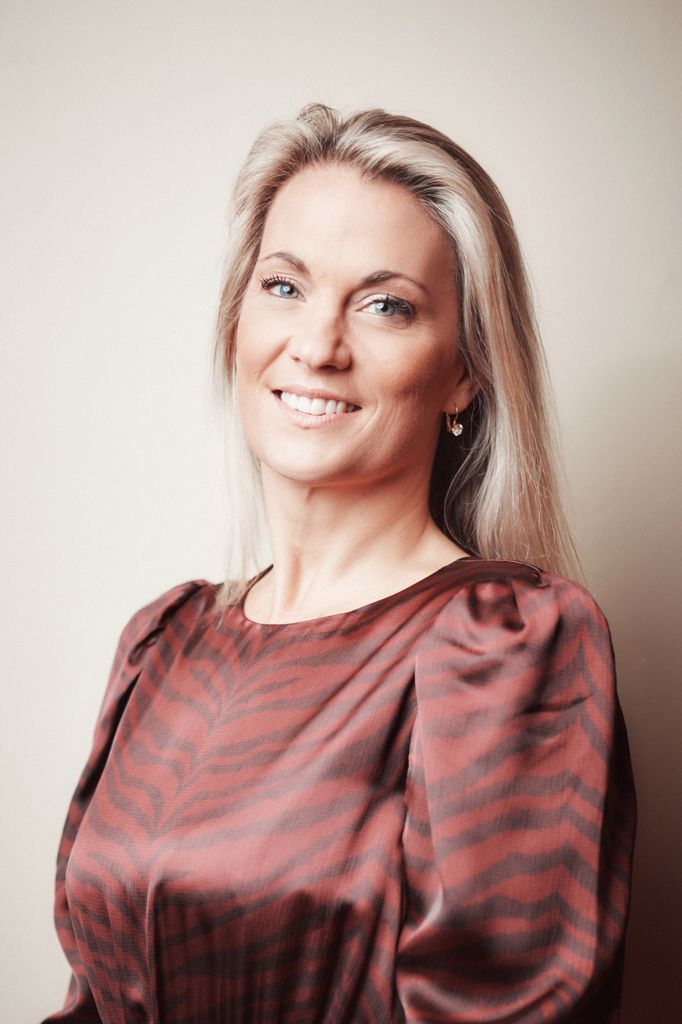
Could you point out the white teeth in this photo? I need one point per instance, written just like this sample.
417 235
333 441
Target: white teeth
314 406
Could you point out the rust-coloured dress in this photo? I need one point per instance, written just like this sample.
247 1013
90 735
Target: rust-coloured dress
419 810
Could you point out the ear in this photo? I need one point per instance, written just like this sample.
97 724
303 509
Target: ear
461 393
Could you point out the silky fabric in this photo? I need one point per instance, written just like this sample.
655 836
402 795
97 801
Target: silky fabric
421 810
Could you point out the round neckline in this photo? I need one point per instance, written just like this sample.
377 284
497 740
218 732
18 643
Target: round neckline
335 616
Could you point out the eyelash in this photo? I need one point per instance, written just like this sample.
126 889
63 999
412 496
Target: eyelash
403 309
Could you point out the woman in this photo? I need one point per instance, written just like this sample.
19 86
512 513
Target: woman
380 774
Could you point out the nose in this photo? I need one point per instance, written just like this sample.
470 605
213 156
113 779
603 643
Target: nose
320 339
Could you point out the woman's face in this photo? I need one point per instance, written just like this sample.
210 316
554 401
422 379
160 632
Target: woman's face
312 321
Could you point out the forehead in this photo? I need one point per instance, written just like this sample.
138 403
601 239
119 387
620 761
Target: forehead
336 210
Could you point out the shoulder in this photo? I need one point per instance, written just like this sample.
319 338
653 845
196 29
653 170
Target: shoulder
180 603
515 596
512 624
514 651
140 632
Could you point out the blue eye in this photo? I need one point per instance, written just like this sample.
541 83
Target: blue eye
269 282
395 306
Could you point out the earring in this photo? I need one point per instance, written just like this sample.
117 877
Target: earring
453 426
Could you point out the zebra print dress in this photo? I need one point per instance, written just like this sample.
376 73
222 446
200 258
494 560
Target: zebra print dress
419 810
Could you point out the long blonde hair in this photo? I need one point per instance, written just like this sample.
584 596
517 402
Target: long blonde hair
495 492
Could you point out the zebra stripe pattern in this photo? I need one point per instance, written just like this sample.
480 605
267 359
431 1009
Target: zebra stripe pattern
421 810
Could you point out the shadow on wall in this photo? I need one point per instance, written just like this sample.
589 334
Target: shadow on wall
651 990
643 595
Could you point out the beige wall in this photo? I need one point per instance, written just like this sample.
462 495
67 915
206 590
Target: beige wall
123 126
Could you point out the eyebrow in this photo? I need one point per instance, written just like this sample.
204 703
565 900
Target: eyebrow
376 278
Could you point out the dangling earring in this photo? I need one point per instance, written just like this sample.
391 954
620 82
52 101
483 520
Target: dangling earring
454 426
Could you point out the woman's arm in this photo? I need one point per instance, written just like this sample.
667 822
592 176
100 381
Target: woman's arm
521 812
141 632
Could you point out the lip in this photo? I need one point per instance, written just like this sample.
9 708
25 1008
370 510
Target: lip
305 392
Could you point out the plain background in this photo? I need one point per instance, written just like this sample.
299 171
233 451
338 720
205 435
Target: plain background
123 126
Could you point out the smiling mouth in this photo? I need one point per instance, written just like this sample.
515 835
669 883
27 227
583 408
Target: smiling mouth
315 406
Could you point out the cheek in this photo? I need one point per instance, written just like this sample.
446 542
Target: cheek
246 367
249 348
420 381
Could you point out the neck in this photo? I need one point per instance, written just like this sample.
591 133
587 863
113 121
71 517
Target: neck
343 546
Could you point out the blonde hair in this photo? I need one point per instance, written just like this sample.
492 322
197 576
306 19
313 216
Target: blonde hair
495 491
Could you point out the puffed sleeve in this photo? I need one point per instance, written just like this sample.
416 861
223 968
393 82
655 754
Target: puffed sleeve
521 812
140 632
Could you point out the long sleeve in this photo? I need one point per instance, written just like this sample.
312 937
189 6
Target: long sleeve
141 631
521 812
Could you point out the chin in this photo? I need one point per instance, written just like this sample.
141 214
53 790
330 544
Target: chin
303 471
